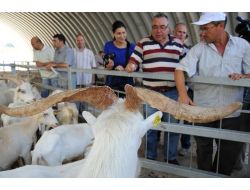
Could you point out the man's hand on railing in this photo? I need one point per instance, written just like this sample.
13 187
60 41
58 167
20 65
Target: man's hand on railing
237 76
119 68
131 67
49 65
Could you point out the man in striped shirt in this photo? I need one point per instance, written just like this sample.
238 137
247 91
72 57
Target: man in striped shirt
159 52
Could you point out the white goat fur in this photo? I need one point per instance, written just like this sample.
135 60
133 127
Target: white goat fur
118 134
62 144
24 93
16 140
69 170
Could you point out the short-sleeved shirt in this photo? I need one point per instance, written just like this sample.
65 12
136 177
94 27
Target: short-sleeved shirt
65 55
204 60
84 60
46 54
155 57
120 59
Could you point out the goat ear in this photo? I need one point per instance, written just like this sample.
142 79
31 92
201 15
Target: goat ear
152 121
89 117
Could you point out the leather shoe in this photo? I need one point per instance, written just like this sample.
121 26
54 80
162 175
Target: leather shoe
175 162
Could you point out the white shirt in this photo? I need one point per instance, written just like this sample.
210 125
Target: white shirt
84 60
204 60
44 55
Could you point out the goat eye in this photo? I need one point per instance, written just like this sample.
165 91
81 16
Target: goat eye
22 91
45 114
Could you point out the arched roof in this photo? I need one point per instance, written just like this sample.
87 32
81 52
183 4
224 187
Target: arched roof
96 26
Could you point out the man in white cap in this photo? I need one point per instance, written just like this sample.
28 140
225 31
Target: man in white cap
217 55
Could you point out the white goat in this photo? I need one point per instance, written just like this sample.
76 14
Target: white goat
22 93
16 140
114 152
119 129
62 144
118 134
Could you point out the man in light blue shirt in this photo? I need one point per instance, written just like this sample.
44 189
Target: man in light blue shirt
218 55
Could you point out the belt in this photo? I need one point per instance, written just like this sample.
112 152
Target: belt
166 89
162 88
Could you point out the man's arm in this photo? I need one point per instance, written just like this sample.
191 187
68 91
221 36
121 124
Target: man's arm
180 85
246 75
56 65
135 59
238 76
42 64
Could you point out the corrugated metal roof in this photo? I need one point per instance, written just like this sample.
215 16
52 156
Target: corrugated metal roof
96 26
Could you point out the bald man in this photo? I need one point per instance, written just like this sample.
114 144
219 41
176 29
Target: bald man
42 56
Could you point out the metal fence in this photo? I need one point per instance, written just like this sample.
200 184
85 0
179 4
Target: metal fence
189 169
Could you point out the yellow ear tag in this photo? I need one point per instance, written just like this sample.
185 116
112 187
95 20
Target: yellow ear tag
156 121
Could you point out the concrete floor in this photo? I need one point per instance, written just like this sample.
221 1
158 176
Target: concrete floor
189 161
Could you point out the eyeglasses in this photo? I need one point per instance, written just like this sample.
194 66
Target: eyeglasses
161 27
206 28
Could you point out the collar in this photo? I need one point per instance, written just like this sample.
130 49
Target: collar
61 49
170 39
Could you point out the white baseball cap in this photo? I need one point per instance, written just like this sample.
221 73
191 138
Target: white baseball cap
210 17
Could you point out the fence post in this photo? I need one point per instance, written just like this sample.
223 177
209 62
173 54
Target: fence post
69 78
13 68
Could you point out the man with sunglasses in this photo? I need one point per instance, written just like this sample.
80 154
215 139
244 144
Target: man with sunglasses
218 55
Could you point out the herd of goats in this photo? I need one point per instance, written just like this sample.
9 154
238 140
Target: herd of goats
44 142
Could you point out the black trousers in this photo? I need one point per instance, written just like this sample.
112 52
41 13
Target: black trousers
229 150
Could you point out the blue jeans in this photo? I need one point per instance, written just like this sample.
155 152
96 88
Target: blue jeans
170 139
185 141
49 82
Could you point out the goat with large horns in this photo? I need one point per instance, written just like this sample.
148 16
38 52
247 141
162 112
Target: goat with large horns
117 130
103 97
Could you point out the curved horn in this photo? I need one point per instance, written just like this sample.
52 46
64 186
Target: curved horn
14 79
181 111
100 97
